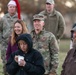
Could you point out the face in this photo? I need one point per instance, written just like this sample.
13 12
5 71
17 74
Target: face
18 28
38 25
11 9
74 34
23 45
49 7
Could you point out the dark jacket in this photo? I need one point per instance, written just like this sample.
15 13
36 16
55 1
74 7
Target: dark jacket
69 65
34 60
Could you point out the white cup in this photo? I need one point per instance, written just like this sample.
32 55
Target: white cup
20 58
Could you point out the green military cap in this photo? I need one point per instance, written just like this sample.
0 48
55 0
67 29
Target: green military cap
50 1
74 29
38 17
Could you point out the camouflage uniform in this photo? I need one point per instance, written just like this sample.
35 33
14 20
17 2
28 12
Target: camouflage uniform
46 43
6 24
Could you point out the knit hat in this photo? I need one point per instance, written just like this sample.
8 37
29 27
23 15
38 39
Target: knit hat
15 3
12 2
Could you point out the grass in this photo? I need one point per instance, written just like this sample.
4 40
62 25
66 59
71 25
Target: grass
61 59
1 67
64 47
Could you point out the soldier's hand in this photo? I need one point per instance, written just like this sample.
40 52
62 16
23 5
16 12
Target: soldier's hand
16 58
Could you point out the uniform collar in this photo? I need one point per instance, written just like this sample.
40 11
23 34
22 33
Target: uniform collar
14 16
41 32
51 13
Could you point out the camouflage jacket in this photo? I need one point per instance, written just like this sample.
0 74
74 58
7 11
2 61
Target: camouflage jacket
46 43
6 24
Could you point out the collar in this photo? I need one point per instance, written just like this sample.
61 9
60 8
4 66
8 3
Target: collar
41 32
51 13
14 16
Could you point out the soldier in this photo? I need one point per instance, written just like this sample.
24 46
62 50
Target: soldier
54 21
46 43
6 24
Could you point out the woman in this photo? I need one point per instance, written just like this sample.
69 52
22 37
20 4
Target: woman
18 29
32 61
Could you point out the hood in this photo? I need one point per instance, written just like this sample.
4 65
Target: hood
27 38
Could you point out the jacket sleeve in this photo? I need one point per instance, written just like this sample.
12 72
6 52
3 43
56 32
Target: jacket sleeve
11 66
64 64
37 68
1 34
1 29
8 51
61 26
53 46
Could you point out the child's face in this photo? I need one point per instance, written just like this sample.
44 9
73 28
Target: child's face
23 45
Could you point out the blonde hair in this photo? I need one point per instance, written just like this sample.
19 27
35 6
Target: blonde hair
14 35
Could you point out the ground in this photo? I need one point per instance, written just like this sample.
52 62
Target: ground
64 47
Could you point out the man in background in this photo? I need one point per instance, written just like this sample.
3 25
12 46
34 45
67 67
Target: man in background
6 24
54 21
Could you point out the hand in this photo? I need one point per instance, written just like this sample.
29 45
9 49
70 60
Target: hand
21 63
16 58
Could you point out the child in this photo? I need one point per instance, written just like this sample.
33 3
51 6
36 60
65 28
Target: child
32 62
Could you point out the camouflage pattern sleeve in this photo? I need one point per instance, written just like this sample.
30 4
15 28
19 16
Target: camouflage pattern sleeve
1 29
53 46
